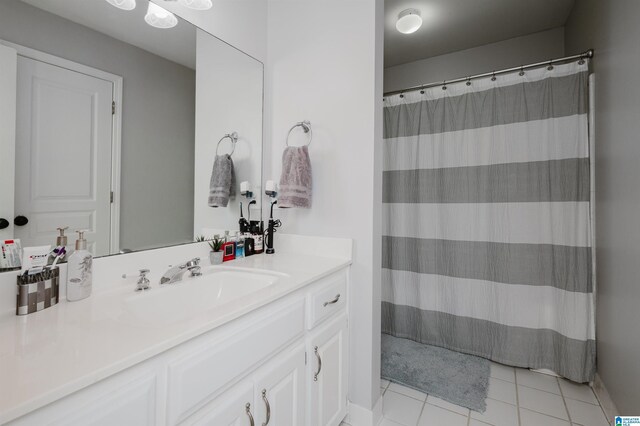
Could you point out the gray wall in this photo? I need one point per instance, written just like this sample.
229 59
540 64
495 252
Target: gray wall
611 28
504 54
158 128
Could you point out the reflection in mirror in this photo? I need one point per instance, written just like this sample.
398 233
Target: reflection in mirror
111 125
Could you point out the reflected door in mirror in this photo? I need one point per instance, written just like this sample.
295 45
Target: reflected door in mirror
8 69
63 154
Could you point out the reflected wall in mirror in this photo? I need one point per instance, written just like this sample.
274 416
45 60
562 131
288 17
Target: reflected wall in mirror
111 125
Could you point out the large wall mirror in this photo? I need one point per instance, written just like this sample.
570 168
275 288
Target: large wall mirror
112 125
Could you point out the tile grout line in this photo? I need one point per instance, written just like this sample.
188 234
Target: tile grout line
421 410
604 413
446 409
515 381
564 401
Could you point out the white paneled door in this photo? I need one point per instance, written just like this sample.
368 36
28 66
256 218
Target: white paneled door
64 136
8 66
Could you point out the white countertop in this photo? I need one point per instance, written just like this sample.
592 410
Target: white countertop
50 354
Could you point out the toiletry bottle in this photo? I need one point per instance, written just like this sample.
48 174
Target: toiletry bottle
61 245
239 245
258 238
228 251
79 271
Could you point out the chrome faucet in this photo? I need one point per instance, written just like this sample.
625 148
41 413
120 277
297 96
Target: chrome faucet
175 273
143 281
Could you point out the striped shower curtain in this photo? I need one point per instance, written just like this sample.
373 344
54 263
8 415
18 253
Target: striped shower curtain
487 225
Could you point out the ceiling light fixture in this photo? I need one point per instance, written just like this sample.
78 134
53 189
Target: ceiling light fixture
123 4
197 4
409 20
159 17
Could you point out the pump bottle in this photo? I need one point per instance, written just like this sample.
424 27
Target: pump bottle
79 271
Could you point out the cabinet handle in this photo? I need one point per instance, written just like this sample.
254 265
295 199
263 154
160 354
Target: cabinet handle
266 403
315 376
331 302
248 407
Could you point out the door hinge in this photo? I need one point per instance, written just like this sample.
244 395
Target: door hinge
111 197
113 107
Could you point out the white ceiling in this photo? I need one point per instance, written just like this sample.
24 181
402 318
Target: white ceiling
452 25
177 44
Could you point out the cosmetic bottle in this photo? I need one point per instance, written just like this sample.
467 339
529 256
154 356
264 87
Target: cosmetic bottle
228 251
239 245
258 237
79 271
61 245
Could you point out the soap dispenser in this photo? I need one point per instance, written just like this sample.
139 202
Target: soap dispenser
61 244
79 271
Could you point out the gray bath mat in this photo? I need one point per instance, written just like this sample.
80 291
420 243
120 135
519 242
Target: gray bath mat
455 377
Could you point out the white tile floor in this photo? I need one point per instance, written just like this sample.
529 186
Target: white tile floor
517 397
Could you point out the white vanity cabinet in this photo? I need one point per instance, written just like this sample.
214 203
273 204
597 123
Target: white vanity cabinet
328 378
274 395
235 408
283 364
279 390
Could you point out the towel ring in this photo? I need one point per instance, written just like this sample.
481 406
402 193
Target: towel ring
306 126
234 139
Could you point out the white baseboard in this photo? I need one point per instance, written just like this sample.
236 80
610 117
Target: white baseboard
360 416
607 404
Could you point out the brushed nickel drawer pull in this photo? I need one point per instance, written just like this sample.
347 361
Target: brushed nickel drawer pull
248 408
331 302
315 376
266 403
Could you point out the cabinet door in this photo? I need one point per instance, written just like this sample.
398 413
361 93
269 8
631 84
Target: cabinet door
327 374
233 408
280 390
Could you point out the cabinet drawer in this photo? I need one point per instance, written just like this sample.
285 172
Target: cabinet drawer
327 300
195 379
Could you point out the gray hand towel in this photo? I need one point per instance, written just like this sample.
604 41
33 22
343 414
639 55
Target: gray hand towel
223 181
295 182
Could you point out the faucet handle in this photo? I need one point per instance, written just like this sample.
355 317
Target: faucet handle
143 281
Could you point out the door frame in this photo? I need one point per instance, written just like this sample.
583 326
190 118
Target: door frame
116 122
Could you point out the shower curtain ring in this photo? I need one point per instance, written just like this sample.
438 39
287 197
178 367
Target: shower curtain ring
521 71
444 85
550 67
468 81
493 76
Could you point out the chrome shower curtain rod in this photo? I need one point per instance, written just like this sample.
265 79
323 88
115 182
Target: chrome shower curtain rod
566 59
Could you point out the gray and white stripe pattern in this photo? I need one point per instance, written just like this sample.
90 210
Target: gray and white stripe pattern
487 226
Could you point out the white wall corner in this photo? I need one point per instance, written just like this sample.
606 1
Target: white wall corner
360 416
607 404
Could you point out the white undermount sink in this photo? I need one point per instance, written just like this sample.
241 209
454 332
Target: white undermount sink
171 303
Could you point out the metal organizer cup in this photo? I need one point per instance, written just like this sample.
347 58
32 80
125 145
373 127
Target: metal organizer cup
37 292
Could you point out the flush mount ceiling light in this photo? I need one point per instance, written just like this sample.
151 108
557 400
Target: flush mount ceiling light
197 4
123 4
159 17
409 20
